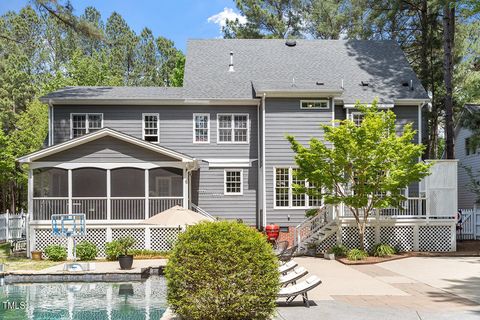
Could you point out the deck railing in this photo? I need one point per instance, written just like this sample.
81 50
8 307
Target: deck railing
409 208
124 208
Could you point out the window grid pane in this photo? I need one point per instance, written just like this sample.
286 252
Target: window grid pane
233 181
298 199
94 122
240 131
150 123
201 128
281 187
79 125
357 118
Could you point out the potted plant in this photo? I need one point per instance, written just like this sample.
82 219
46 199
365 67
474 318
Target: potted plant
312 249
125 259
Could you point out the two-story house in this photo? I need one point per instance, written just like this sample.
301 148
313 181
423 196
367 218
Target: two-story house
123 154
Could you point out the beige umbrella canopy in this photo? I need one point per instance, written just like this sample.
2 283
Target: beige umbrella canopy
177 216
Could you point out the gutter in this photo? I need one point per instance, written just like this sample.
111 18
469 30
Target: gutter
143 102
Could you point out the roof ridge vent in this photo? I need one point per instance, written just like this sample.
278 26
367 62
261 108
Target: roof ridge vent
290 43
230 66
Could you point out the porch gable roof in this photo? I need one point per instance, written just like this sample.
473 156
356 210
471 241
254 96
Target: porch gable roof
104 132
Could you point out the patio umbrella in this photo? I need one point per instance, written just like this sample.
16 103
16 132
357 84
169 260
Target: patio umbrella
177 216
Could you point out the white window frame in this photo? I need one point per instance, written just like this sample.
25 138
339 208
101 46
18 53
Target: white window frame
225 182
315 101
233 128
290 191
87 126
158 125
195 128
355 113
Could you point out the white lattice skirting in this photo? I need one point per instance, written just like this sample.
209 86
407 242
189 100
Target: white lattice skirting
158 238
436 236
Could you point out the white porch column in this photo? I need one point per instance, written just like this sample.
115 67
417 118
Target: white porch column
70 202
109 195
185 188
147 189
30 213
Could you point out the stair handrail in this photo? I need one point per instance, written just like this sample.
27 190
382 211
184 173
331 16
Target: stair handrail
202 211
310 226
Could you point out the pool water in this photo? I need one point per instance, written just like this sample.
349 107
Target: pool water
94 300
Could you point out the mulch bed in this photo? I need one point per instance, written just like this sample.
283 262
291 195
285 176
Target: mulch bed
374 260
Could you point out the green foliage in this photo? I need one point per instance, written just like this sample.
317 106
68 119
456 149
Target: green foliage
222 270
311 212
86 250
125 244
149 254
56 252
383 250
112 250
339 250
366 169
356 254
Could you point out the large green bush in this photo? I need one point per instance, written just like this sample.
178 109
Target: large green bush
86 251
222 270
56 252
112 250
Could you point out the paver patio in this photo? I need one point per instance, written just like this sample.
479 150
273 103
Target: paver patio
412 288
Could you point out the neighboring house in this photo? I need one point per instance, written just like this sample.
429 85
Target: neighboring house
123 154
468 156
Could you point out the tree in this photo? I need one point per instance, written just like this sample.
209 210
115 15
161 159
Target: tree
448 43
176 77
364 167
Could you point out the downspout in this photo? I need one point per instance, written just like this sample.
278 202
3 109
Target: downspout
50 123
264 193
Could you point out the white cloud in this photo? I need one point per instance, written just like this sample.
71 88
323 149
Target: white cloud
227 13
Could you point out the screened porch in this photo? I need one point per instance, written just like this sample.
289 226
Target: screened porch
122 193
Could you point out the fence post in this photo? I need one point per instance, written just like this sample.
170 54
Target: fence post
474 214
7 229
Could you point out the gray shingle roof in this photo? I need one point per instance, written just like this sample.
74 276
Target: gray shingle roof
115 93
380 63
266 65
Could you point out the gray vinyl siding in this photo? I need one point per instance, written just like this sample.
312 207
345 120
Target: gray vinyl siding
208 190
176 127
176 133
466 198
108 150
284 117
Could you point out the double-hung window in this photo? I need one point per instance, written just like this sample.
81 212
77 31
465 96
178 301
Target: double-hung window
151 124
285 195
233 128
83 123
357 118
201 128
233 180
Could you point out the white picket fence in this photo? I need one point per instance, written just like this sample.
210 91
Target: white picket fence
470 225
12 226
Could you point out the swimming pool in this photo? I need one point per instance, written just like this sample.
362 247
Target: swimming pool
95 300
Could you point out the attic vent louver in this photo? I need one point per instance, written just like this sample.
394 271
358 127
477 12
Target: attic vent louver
364 84
230 66
290 43
405 84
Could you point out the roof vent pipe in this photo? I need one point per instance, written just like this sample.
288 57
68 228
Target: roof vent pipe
411 85
342 84
230 66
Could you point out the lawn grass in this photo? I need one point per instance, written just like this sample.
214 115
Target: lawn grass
20 263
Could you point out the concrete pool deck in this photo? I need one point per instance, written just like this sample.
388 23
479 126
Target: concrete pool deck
104 271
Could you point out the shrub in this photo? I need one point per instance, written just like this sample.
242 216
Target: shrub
148 254
222 270
86 250
125 244
112 250
339 250
383 250
356 254
56 252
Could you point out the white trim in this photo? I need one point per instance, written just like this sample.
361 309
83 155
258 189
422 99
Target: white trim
147 194
315 101
354 113
225 182
409 102
100 134
108 165
379 105
195 128
333 112
229 163
233 128
420 123
158 126
185 188
109 195
70 192
299 93
264 189
87 125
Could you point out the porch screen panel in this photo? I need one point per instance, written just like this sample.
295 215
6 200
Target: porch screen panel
128 182
89 182
166 182
50 182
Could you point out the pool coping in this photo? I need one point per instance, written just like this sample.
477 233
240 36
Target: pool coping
26 276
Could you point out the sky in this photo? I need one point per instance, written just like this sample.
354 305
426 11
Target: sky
178 20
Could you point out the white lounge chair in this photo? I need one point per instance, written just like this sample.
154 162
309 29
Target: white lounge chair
301 288
284 268
293 276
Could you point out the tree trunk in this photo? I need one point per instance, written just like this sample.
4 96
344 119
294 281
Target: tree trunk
361 235
448 43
